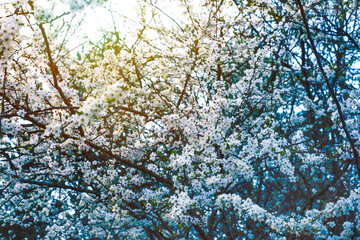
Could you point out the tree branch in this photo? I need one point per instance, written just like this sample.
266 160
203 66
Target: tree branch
58 185
332 93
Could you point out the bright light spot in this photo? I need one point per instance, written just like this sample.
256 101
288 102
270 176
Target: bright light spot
298 109
114 15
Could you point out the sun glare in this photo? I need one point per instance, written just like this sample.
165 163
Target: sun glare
93 21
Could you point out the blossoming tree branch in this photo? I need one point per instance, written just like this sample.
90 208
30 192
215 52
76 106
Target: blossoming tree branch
199 119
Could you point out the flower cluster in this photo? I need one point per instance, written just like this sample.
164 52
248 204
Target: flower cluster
9 29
